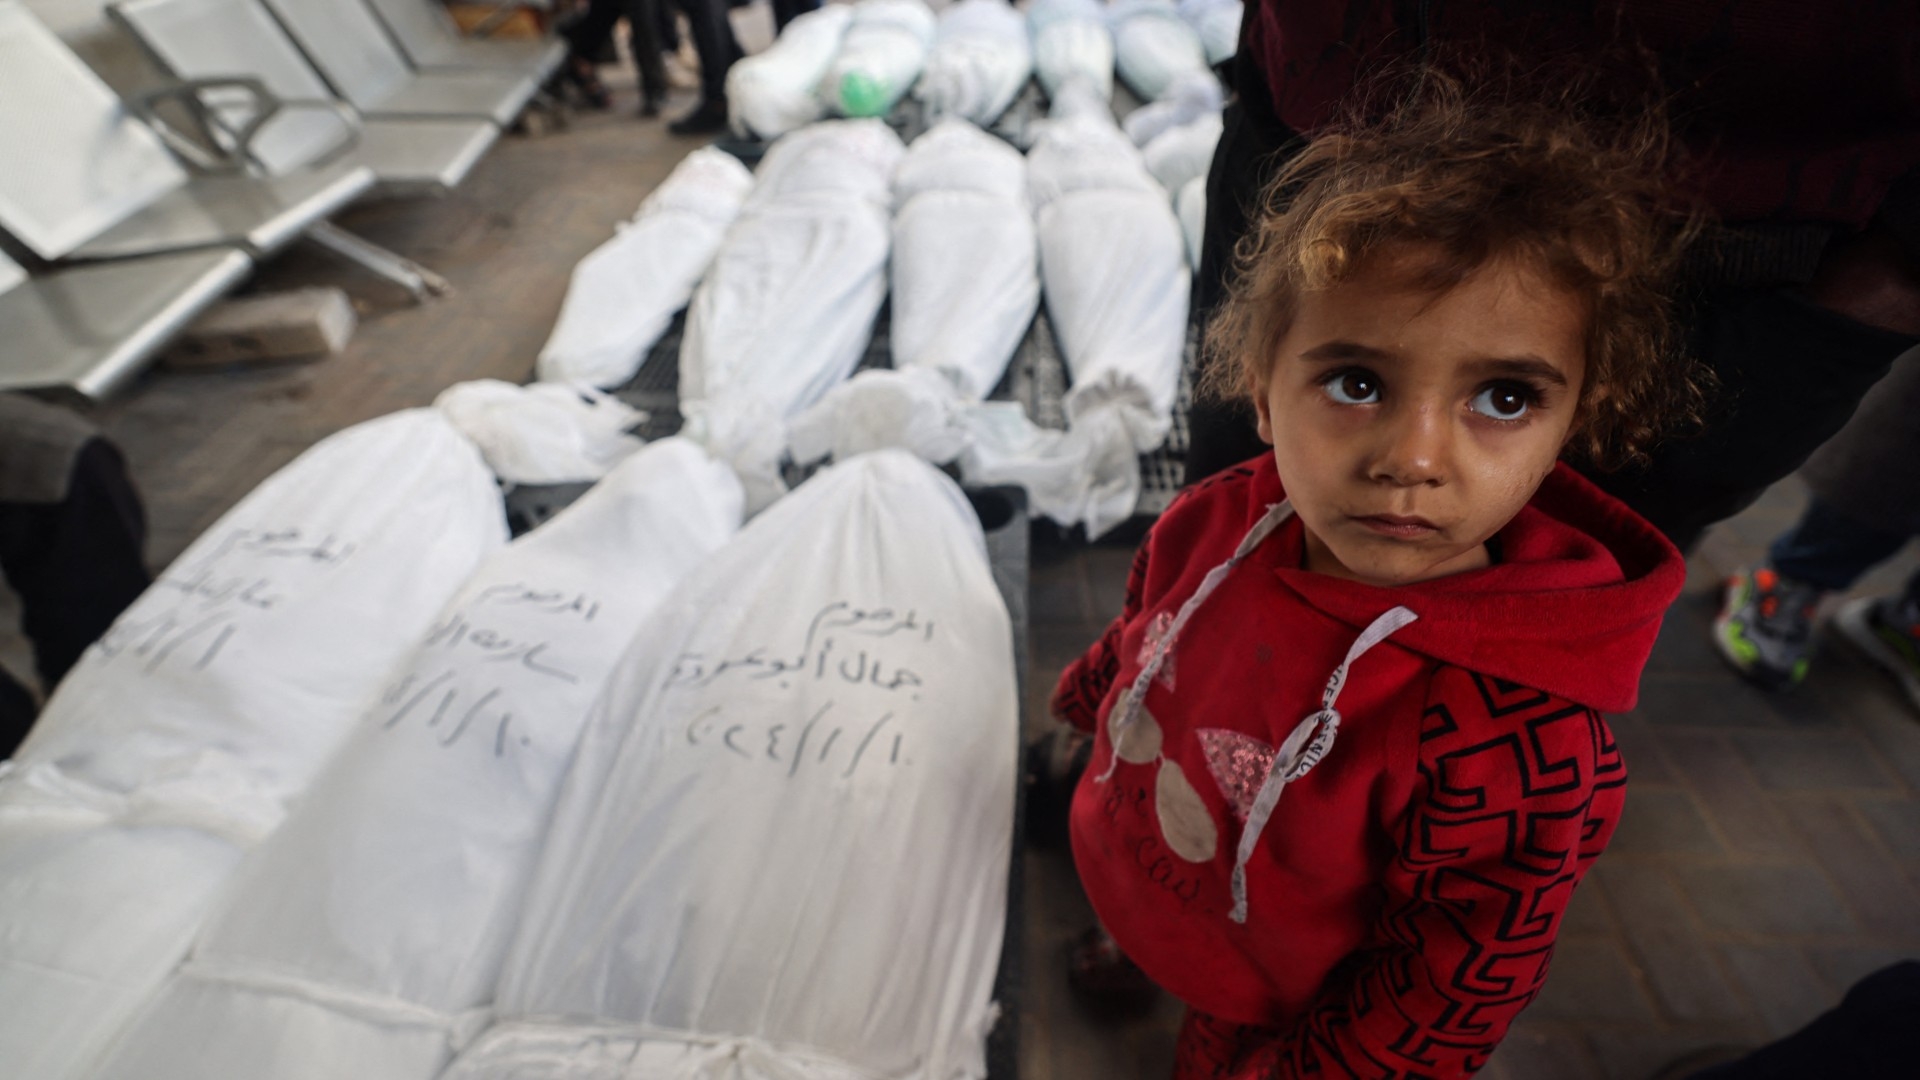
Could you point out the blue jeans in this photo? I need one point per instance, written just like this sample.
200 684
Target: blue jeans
1831 551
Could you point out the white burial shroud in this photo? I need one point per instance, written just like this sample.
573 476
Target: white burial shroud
787 309
1218 24
179 738
1153 47
881 55
966 277
1180 154
773 92
1113 263
980 62
782 852
1071 43
625 293
364 938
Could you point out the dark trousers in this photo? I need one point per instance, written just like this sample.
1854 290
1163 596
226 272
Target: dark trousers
1870 1036
589 36
714 42
1790 372
784 11
1825 548
76 564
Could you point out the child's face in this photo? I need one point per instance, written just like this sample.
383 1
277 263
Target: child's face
1410 426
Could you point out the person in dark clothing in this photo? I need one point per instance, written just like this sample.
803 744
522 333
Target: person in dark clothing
785 11
713 40
71 535
1804 128
590 34
1870 1035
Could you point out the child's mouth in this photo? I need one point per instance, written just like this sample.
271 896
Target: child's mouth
1399 527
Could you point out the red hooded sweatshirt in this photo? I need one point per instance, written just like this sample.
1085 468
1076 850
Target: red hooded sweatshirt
1402 896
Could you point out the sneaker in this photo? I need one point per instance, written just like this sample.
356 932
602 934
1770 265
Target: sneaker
1765 627
710 117
1888 635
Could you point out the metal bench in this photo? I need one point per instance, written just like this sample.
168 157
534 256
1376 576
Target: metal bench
347 44
432 40
212 39
101 184
87 329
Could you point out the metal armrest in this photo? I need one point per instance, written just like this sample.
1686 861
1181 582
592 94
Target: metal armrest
221 147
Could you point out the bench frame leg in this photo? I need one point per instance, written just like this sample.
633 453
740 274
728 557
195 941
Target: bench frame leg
419 281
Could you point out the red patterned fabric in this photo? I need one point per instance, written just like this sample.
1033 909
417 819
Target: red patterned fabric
1405 895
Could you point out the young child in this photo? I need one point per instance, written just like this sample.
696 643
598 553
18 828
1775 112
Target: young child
1349 762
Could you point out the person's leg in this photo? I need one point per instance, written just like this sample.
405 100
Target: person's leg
1765 626
785 11
1830 551
75 563
1251 149
1791 373
587 38
713 39
17 713
643 20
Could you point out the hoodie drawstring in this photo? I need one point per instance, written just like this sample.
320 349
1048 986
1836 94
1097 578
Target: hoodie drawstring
1310 741
1135 700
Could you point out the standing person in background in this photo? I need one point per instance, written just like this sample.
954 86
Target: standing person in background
1865 507
713 40
1802 121
590 34
785 11
71 534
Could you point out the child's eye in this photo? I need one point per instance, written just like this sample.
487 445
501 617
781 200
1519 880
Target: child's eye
1504 401
1353 387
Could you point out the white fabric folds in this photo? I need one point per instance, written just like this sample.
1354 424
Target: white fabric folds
626 291
881 55
1191 97
980 62
248 660
776 91
966 279
1071 43
1190 205
1218 24
1153 46
180 737
543 433
787 309
1113 262
1180 154
363 939
782 851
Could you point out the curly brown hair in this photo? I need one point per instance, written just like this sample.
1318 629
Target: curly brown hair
1472 176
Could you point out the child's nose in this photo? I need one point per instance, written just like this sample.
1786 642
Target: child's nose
1414 452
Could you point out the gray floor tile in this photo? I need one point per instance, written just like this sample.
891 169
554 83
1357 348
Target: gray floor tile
1781 985
1539 1050
1663 821
1666 940
1807 761
1876 885
1734 803
1782 900
1592 981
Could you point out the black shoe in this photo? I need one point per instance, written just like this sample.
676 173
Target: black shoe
649 108
710 117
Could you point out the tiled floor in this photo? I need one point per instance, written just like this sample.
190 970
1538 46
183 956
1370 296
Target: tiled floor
1772 845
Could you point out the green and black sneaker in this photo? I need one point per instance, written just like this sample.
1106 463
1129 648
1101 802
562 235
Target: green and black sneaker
1888 631
1765 627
